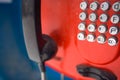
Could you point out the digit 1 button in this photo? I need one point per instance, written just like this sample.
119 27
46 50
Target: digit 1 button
83 5
91 37
82 26
115 19
113 30
101 39
104 6
94 6
92 17
112 41
103 17
116 6
81 36
102 28
83 16
91 28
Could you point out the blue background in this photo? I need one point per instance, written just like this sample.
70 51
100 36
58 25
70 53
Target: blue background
14 62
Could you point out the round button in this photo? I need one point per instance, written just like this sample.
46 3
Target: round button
91 37
82 26
101 39
91 28
103 17
94 6
83 5
104 6
113 30
83 16
112 41
102 29
116 6
81 36
92 17
115 19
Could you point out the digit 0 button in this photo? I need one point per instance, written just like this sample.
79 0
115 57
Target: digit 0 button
94 6
83 16
115 19
112 41
82 26
103 17
101 39
116 6
91 37
83 5
91 27
104 6
92 17
81 36
102 28
113 30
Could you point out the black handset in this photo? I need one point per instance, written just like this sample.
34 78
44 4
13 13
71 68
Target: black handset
39 47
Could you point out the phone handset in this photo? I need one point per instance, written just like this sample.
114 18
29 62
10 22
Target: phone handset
39 47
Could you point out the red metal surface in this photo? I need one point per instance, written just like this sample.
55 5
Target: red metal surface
60 19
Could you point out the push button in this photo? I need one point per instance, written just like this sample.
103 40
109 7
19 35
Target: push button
94 6
91 37
115 19
104 6
83 5
102 29
112 41
82 26
92 17
83 16
91 28
103 17
101 39
113 30
81 36
116 6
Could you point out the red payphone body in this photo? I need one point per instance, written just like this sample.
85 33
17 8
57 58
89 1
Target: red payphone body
86 31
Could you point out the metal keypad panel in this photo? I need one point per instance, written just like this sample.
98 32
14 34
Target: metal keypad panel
87 31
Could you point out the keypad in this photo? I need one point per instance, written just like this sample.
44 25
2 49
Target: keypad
87 31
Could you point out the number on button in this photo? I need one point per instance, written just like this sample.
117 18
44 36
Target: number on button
83 16
103 17
102 29
116 6
82 26
81 36
112 41
115 19
94 6
104 6
92 17
91 37
83 5
113 30
91 28
101 39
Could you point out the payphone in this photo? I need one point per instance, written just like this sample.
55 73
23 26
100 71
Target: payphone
86 32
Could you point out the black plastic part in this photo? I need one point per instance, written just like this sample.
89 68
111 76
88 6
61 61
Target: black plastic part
49 49
96 73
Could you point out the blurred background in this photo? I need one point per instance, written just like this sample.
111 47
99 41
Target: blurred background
14 61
